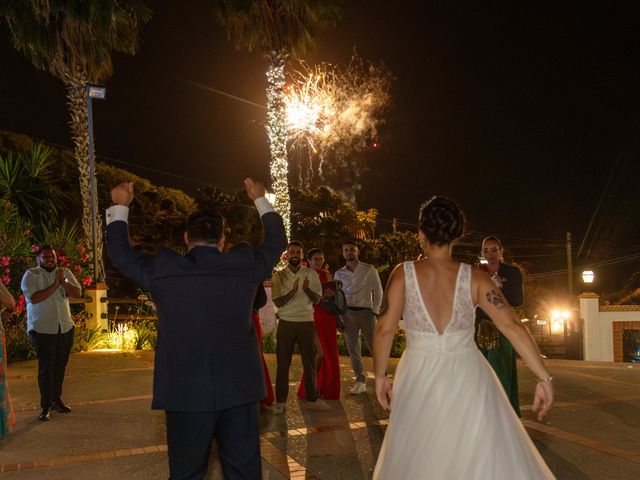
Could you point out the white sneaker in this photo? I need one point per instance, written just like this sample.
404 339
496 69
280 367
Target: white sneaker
278 409
358 388
317 405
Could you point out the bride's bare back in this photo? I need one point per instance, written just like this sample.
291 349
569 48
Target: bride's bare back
437 283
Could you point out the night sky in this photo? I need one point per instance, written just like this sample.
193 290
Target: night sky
524 112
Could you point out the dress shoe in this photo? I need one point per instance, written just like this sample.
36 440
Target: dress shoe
45 414
60 407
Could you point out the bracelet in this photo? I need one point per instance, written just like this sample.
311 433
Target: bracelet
549 379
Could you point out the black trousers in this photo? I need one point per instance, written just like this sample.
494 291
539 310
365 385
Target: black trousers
53 355
288 334
189 437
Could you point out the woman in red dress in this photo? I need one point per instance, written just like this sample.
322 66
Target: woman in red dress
325 323
258 303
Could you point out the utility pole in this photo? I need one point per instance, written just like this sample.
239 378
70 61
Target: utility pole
569 265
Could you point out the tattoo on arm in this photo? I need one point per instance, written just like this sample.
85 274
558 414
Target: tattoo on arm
495 299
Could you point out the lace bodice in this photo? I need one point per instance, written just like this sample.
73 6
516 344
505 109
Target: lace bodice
416 316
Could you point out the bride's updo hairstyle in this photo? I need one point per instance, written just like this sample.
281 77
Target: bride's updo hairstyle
441 220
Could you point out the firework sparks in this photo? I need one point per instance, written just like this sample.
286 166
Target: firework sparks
335 111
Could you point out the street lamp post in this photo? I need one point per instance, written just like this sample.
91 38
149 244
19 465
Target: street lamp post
588 277
93 91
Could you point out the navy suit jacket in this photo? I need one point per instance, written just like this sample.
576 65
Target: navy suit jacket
207 354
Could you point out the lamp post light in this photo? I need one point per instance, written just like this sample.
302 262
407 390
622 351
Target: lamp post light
588 277
100 93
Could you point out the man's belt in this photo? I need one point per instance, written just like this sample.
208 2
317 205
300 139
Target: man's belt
356 309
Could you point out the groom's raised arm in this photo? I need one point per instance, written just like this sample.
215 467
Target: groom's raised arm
268 252
131 263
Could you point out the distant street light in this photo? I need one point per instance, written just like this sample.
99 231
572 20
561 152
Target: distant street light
100 93
558 320
588 276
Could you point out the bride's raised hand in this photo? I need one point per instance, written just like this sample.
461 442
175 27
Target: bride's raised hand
543 398
383 392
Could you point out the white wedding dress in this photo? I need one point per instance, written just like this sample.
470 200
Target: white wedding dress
450 418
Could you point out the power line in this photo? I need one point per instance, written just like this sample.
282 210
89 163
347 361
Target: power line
603 263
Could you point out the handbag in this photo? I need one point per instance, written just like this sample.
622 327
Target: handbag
336 304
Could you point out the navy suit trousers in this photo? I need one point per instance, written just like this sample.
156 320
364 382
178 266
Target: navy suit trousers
189 437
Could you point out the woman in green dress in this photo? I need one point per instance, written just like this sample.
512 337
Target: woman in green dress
495 347
7 418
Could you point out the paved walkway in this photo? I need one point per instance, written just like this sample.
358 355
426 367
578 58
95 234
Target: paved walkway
592 433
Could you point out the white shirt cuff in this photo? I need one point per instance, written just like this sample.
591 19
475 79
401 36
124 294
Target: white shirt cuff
263 205
116 213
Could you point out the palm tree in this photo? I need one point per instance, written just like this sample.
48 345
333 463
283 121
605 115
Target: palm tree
26 180
74 41
278 28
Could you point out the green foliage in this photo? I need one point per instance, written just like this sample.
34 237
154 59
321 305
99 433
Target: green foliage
64 237
397 347
289 26
243 222
86 339
64 36
324 219
142 336
269 343
15 232
27 181
399 344
390 249
18 344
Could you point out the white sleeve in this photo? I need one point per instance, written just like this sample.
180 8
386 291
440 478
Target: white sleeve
116 213
263 205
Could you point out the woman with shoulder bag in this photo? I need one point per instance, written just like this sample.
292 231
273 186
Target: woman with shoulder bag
326 341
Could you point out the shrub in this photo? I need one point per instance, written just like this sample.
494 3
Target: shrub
86 339
269 343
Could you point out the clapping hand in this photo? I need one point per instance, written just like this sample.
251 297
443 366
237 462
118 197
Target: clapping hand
294 289
305 283
542 399
122 194
60 274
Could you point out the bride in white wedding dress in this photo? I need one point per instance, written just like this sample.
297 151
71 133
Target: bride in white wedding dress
450 418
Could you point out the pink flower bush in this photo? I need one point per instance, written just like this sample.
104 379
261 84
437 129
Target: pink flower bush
20 307
34 248
86 281
5 279
4 261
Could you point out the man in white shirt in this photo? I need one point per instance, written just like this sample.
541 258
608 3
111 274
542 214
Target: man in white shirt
47 289
295 289
363 290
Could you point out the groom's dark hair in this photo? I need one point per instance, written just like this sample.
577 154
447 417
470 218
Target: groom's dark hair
205 226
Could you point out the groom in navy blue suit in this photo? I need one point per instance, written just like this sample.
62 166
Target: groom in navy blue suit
208 371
